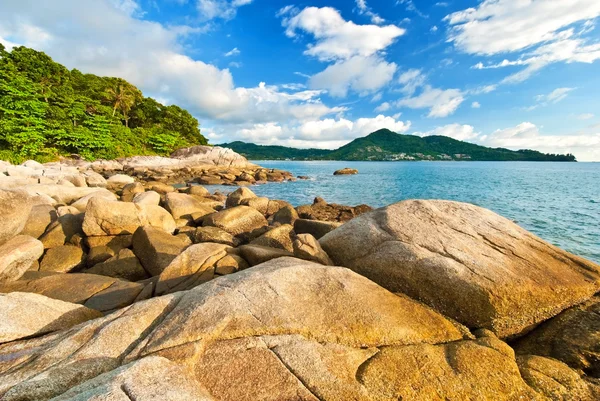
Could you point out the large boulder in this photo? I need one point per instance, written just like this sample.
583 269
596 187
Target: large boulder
26 315
17 255
194 266
124 265
466 262
321 210
15 207
236 197
101 293
103 217
156 248
237 220
307 247
63 231
211 155
62 259
266 333
182 205
81 203
40 217
316 228
213 234
281 237
147 198
572 337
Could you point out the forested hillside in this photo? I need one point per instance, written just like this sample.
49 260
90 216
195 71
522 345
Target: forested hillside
47 111
390 146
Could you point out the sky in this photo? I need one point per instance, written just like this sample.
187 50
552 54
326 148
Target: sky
502 73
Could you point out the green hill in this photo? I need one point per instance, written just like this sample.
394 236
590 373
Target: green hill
390 146
47 111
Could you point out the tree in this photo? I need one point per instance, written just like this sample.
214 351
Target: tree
123 96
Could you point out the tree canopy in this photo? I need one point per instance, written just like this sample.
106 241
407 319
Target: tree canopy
47 111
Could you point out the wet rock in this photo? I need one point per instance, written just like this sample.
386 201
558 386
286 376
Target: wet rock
156 248
466 262
17 255
237 220
62 259
27 315
346 171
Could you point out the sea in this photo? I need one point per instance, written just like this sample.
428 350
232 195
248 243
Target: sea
559 202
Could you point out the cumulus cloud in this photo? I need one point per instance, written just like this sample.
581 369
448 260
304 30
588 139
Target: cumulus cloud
541 28
329 133
108 39
456 131
440 102
361 74
385 106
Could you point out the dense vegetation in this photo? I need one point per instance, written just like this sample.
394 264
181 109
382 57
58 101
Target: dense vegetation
47 111
387 145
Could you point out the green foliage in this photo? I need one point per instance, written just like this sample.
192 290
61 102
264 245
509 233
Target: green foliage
47 111
387 145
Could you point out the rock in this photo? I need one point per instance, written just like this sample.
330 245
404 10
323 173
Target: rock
237 220
63 194
162 188
210 180
346 171
99 254
156 248
94 179
266 206
124 265
194 266
151 378
114 242
197 190
554 379
266 333
63 231
256 254
181 205
130 190
116 218
466 262
147 198
62 210
40 217
236 197
120 180
27 315
81 204
308 248
213 234
62 259
101 293
17 255
285 215
321 210
315 228
571 337
15 207
230 264
212 155
279 237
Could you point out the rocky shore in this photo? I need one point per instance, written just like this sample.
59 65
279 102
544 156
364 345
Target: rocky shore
117 285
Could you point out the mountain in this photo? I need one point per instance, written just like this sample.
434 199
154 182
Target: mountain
390 146
47 111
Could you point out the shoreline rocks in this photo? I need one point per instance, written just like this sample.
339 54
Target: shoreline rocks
130 287
346 171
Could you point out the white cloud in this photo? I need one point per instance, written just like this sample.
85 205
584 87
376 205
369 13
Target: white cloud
440 102
364 9
233 52
411 80
109 40
361 74
456 131
326 134
336 38
553 97
224 9
527 136
476 105
585 116
543 29
385 106
434 29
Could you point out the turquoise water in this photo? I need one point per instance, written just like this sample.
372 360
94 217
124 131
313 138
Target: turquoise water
560 202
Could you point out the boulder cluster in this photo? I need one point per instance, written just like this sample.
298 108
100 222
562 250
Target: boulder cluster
140 291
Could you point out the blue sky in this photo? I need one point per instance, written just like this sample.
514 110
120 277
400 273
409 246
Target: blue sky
511 73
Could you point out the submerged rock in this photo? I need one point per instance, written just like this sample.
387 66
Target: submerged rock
464 261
